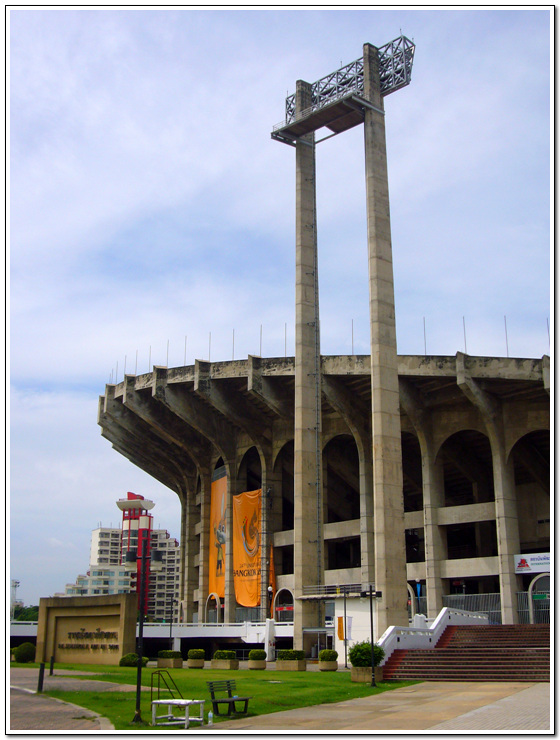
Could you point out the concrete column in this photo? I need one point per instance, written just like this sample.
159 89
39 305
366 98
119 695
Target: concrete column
433 494
507 524
435 544
390 556
189 580
307 474
270 485
507 531
229 590
203 569
367 545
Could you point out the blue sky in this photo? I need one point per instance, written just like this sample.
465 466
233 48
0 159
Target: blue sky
148 203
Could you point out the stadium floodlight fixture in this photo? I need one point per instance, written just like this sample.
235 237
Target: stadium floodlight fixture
338 99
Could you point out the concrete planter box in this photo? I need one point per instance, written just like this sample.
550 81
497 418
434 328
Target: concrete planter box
362 674
225 665
291 665
195 663
170 662
328 665
257 665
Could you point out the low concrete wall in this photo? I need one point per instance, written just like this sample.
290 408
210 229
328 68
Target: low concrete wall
86 629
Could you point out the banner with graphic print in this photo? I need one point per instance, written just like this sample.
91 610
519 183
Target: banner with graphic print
247 548
534 562
217 551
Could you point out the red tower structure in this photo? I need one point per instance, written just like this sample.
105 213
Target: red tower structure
137 529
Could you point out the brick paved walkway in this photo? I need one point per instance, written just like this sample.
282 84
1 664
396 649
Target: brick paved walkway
426 706
37 712
526 710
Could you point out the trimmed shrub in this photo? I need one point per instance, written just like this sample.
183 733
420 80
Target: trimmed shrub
130 660
327 655
169 654
196 654
225 655
25 653
360 654
290 655
257 654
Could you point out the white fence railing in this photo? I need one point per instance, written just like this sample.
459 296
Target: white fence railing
425 638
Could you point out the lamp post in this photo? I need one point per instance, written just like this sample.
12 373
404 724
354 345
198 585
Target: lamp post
171 604
270 592
345 629
371 633
130 561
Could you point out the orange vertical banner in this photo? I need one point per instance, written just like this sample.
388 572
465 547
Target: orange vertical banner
246 543
340 628
217 550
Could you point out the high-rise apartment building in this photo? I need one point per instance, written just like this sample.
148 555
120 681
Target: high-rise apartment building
107 573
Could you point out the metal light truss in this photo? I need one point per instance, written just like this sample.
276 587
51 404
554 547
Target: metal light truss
395 67
395 64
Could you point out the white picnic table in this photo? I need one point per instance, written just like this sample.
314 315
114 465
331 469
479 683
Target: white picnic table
170 719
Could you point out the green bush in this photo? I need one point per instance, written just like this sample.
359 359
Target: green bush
169 654
257 654
196 654
328 655
130 660
290 655
25 653
360 654
225 655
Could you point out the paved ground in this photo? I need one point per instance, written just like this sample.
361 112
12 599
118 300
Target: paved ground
446 706
32 711
441 706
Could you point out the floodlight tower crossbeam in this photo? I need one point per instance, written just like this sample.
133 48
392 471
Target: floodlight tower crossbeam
342 92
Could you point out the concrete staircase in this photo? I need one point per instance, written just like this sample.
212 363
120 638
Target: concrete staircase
518 652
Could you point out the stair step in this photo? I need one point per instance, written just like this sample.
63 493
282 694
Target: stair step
488 653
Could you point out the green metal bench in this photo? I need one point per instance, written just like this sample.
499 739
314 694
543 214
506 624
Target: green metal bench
228 688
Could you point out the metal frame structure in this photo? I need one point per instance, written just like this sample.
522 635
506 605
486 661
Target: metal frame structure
395 69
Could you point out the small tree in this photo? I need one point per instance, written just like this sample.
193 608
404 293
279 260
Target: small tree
195 654
360 654
169 654
130 660
25 653
225 655
289 654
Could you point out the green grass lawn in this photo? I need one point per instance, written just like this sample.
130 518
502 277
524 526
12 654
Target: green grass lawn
271 691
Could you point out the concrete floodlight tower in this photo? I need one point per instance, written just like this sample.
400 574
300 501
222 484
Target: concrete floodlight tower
136 528
346 98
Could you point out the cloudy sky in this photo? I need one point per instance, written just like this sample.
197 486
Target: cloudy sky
152 218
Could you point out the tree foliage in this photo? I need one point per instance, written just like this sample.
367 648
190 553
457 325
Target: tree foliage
360 654
26 613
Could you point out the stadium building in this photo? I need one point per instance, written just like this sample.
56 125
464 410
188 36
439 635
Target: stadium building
424 479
